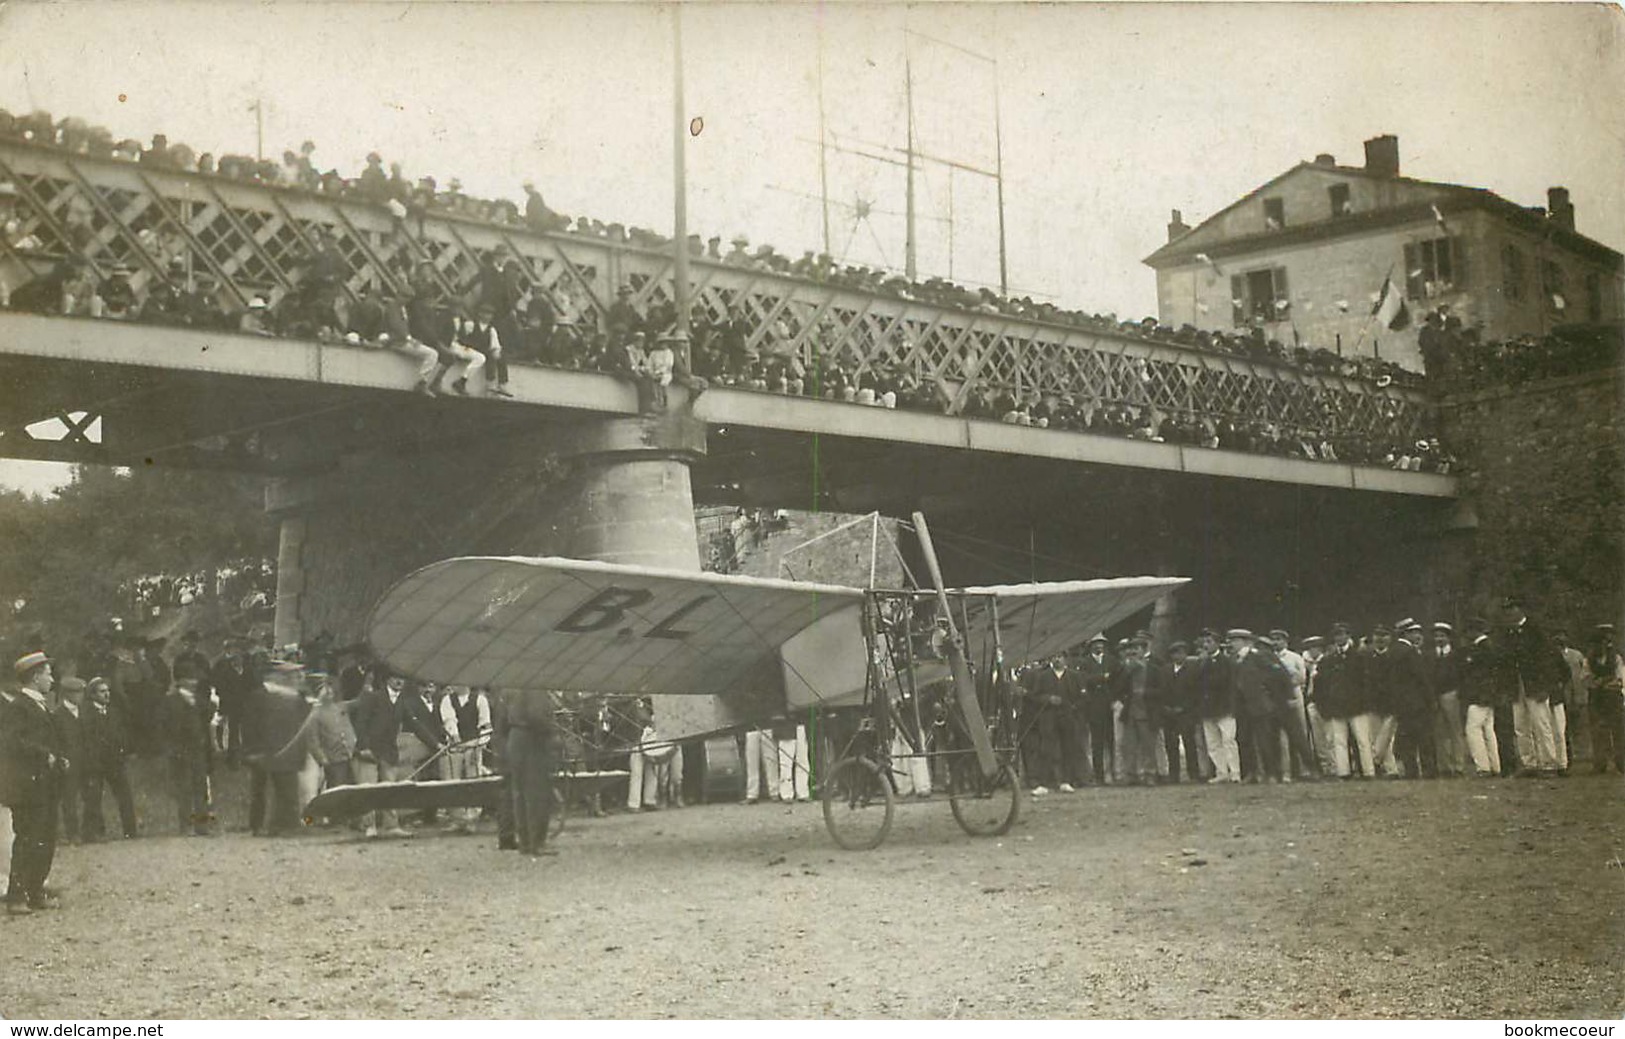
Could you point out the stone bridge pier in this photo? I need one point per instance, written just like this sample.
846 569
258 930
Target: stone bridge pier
610 489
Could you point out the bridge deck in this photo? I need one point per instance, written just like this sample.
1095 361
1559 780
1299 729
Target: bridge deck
195 394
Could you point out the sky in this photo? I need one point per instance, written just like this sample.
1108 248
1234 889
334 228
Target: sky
1108 116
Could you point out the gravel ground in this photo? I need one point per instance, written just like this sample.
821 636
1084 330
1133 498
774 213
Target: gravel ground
1491 899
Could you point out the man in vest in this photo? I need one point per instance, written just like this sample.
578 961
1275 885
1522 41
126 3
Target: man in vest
466 716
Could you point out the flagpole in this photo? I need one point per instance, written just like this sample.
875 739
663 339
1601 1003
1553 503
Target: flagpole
1387 280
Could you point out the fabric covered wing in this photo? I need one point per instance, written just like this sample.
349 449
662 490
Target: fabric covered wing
1037 621
570 624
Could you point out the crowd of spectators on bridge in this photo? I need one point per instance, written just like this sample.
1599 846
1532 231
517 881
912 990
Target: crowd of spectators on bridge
504 318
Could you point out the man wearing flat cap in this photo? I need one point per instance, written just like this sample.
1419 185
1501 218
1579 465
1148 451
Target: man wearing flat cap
31 767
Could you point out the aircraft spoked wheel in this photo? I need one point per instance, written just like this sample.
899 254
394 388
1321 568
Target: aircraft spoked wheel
983 807
857 804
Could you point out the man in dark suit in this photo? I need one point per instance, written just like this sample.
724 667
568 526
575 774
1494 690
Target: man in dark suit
231 682
1482 696
1410 702
31 766
1336 693
1180 712
1052 694
65 716
1533 669
377 753
103 740
185 740
1260 685
272 715
1097 670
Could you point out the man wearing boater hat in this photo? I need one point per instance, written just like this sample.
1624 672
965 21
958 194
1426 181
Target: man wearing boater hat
31 766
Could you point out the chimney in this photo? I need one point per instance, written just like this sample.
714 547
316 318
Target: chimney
1382 155
1559 210
1325 159
1176 225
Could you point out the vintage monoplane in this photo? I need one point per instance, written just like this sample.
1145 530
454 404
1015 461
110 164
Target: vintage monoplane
722 651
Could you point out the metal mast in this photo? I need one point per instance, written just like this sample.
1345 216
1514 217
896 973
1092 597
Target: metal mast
680 130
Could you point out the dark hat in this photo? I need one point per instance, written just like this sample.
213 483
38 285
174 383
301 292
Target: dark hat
1207 633
1177 644
1382 629
29 661
73 685
1342 628
624 290
1477 624
1143 634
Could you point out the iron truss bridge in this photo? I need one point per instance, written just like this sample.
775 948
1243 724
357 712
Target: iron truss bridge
252 238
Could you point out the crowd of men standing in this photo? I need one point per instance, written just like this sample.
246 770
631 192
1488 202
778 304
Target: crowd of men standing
1404 701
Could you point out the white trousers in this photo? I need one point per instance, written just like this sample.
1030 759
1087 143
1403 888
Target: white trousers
1449 735
1560 733
1221 748
1482 745
1363 729
761 763
6 837
464 764
427 359
910 774
472 359
793 768
651 779
1382 744
1532 728
1332 746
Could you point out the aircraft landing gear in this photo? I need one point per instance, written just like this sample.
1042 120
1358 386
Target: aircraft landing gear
857 804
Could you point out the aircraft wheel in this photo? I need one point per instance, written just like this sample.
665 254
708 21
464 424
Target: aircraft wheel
983 807
857 804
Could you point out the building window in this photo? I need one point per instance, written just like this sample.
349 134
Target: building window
1434 267
1341 206
1552 284
1274 214
1511 273
1259 297
1593 296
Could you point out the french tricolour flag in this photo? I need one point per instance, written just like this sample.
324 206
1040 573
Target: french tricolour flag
1390 308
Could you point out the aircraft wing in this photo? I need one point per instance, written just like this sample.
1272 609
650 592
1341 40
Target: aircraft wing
545 623
1037 621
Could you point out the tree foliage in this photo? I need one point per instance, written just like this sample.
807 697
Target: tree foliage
66 556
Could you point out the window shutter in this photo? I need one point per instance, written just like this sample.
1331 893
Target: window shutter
1413 271
1283 299
1458 263
1238 300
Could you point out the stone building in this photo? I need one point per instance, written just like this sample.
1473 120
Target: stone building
1304 256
